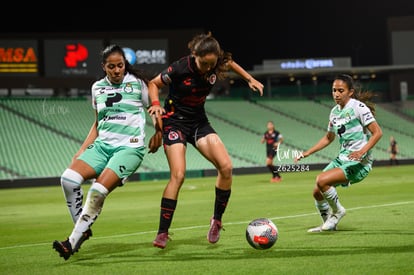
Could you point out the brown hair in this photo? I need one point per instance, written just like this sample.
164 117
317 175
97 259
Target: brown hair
113 48
364 96
203 44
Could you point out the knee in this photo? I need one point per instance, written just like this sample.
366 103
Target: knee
71 178
317 195
321 183
177 177
226 169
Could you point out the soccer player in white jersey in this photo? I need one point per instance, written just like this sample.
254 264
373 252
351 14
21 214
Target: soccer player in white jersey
114 147
352 121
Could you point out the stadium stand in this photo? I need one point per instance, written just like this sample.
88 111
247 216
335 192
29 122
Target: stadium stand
40 135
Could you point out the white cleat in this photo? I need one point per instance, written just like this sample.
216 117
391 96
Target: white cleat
318 229
333 220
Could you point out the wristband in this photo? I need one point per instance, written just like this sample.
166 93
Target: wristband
155 103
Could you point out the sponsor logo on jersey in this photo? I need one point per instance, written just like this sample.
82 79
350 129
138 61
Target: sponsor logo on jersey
212 79
341 120
166 78
133 140
117 117
368 116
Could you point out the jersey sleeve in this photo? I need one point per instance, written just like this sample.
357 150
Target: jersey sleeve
93 92
145 97
330 128
364 114
168 74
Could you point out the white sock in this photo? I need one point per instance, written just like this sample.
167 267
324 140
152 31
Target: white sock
331 196
323 209
93 206
71 184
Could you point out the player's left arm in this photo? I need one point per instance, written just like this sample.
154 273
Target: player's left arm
154 87
254 84
262 140
278 142
156 140
367 120
376 134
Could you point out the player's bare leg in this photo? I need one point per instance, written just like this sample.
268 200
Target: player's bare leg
214 150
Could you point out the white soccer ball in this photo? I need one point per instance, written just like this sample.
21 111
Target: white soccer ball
262 233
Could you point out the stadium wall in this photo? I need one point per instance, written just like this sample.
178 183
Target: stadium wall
164 175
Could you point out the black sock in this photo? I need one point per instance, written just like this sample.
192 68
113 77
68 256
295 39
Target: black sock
166 214
222 198
273 170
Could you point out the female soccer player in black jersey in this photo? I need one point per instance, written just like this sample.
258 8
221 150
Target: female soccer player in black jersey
273 139
190 80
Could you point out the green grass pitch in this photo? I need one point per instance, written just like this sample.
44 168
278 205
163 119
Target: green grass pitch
375 237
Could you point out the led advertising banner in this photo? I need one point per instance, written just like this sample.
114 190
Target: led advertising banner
281 65
146 54
19 58
73 58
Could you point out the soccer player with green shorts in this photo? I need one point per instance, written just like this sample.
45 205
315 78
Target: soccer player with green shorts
114 147
352 120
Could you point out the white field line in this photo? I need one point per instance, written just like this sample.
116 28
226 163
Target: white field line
204 226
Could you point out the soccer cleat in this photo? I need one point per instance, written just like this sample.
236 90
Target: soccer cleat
64 248
333 220
213 234
276 179
318 229
161 240
85 236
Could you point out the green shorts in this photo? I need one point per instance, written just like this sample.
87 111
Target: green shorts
354 171
123 160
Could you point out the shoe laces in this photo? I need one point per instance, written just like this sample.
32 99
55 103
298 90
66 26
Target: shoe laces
217 226
167 235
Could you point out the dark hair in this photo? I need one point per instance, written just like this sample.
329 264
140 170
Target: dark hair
203 44
364 96
114 48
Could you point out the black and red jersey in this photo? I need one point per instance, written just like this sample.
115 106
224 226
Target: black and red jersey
188 89
271 138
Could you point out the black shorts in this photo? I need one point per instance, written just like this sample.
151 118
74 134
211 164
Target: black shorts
177 131
270 153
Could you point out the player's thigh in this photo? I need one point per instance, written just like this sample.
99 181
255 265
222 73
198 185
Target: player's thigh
330 177
125 161
213 149
94 157
176 159
355 171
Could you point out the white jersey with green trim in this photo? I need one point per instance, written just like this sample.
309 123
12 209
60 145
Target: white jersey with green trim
349 124
121 111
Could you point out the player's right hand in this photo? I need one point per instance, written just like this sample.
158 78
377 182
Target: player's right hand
156 110
298 158
155 142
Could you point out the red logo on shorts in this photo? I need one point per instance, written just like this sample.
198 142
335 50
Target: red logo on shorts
173 135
